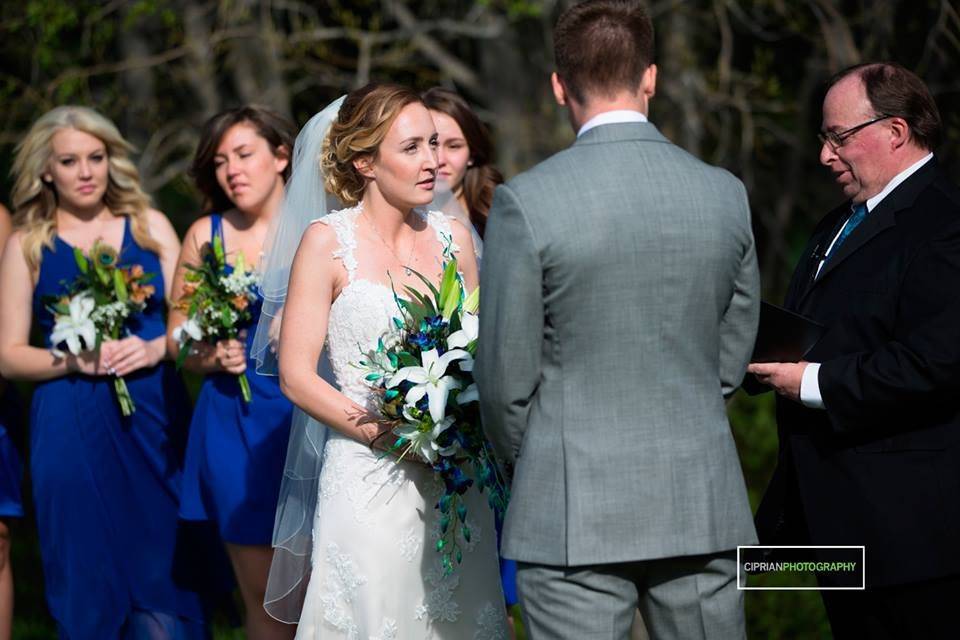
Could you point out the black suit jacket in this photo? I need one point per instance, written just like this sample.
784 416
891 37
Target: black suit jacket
881 465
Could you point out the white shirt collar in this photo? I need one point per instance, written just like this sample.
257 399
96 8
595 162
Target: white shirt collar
612 117
897 179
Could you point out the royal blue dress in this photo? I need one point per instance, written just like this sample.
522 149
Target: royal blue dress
10 465
106 487
237 449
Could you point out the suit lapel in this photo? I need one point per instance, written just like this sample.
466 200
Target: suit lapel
876 221
883 217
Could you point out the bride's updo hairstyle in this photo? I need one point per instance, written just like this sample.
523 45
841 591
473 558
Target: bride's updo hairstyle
362 123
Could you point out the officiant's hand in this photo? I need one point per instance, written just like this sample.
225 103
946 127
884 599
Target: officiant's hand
783 377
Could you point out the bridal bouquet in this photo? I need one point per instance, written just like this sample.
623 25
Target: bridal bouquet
216 302
96 305
422 372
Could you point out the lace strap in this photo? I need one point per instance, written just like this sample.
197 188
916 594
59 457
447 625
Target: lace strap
344 225
441 226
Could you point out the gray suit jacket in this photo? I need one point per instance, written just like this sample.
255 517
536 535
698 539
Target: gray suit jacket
619 305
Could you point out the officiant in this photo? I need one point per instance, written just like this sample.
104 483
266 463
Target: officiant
870 427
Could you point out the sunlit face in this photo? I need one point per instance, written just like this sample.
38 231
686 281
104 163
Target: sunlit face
78 168
405 166
246 168
453 153
859 165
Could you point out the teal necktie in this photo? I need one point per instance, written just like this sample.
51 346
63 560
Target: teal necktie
856 217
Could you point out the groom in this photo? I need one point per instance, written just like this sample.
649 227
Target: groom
620 305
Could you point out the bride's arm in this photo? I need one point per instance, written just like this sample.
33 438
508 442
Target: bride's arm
314 277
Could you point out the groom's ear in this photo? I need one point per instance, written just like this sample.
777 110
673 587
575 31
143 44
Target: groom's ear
559 91
648 84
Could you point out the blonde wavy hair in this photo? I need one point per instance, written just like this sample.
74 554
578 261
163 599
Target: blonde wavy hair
35 201
362 123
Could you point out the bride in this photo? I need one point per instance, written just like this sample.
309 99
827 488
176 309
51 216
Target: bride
355 532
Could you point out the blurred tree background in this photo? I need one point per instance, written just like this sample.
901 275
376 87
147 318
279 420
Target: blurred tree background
740 86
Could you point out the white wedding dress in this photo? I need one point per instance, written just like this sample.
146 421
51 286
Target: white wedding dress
376 574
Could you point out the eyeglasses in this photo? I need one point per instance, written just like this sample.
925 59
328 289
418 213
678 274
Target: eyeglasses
836 139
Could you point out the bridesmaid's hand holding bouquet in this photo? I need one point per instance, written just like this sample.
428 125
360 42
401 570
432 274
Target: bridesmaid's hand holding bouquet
96 305
216 300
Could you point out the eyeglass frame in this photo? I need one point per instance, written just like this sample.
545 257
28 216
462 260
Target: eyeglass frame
837 140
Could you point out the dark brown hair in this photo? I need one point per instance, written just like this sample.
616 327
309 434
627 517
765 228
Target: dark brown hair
603 47
896 91
278 131
362 123
481 177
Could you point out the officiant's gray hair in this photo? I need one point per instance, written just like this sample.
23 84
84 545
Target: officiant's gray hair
603 47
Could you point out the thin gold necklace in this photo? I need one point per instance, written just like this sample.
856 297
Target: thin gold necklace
406 268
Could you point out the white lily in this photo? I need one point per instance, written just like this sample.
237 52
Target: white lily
424 442
430 380
470 394
469 331
75 326
190 329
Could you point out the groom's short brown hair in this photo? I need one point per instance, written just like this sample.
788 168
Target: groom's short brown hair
603 47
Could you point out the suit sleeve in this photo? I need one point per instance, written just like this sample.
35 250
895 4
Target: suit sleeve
918 370
738 327
511 324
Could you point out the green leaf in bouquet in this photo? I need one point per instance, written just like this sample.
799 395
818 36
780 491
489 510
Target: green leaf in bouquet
391 394
218 250
425 302
430 285
449 289
398 323
372 377
394 360
417 312
81 260
146 277
226 320
408 360
101 297
119 285
103 274
472 303
183 353
454 323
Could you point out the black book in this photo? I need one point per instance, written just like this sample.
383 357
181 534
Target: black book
783 336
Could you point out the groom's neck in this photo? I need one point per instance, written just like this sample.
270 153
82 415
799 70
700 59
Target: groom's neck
581 113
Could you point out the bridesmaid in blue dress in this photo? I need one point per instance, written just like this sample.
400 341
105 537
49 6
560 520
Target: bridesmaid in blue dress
105 487
10 470
236 449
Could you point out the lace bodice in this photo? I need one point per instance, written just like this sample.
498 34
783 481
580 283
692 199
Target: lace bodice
364 309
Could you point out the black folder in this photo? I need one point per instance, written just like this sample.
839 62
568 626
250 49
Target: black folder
784 336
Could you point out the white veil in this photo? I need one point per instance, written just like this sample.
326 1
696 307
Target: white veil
304 201
445 201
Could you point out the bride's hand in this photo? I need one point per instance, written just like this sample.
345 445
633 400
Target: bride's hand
384 440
